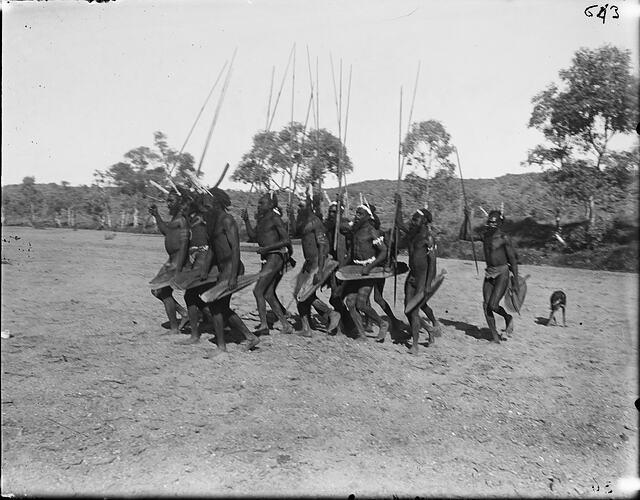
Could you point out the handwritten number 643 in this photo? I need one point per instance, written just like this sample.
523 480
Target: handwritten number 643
602 12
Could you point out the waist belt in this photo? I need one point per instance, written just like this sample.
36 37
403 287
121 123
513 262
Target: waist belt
364 262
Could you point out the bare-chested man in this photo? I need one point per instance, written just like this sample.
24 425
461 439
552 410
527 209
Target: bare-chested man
176 240
196 276
315 248
276 251
369 251
418 239
378 288
500 258
224 241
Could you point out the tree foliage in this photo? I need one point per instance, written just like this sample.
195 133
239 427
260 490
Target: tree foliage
305 156
427 146
595 100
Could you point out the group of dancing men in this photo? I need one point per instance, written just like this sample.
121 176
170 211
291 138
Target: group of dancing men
203 243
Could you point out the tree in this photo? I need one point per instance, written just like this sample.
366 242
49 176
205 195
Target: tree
132 176
305 156
596 99
31 197
427 145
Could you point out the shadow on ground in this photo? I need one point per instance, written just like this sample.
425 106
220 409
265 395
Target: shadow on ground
471 330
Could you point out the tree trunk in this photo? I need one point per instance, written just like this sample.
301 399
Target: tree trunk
591 210
68 217
108 219
123 214
135 217
32 214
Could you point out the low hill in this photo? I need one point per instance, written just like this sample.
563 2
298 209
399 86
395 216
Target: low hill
528 204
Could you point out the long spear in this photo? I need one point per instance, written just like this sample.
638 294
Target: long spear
198 116
293 94
339 172
286 70
217 112
464 197
396 230
344 140
401 159
273 71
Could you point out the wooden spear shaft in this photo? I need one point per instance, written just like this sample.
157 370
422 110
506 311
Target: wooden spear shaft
273 74
464 197
184 145
217 112
396 230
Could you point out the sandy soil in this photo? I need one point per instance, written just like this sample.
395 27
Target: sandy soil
98 399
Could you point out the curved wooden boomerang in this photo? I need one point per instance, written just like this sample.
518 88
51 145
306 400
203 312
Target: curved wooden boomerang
224 172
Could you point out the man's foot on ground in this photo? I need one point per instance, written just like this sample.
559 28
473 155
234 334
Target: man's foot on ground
384 328
261 331
216 353
287 329
509 328
414 349
304 333
361 338
437 330
252 342
334 321
183 322
189 341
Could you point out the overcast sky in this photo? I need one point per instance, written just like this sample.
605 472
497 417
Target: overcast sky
82 83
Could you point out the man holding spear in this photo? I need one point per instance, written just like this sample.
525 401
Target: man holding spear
500 258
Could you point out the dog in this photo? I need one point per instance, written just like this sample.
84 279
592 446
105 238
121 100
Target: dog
558 301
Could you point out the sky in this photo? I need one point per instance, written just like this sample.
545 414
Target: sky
83 83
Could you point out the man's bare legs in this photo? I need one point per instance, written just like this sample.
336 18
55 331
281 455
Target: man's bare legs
493 290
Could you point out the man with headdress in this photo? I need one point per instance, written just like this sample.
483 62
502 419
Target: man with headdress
368 251
340 252
421 244
378 288
198 274
275 250
176 240
500 257
315 248
224 242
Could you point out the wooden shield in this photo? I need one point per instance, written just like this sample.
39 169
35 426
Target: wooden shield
164 276
353 272
191 277
513 301
221 290
308 288
420 298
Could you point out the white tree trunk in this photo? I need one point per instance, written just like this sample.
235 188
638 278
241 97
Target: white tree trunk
123 215
136 213
109 219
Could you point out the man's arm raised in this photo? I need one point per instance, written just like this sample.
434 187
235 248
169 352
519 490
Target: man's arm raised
465 228
230 231
251 231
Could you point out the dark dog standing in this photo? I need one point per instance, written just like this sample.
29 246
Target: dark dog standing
558 301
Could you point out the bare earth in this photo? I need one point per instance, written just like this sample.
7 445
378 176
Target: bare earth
98 399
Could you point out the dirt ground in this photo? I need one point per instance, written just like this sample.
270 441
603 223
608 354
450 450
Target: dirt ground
98 399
